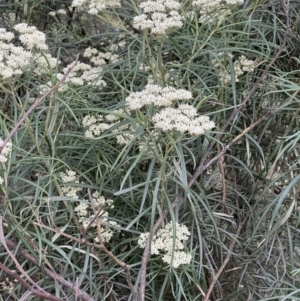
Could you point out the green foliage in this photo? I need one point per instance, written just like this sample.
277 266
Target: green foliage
248 196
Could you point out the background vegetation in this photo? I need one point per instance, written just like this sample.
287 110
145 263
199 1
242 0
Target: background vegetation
236 188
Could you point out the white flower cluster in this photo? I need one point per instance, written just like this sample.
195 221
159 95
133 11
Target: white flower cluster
234 2
82 74
207 4
154 94
159 16
70 191
240 66
6 35
86 212
182 119
31 37
211 9
99 58
5 151
15 58
85 74
172 247
95 6
99 124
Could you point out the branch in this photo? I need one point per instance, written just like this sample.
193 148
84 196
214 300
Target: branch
226 260
102 247
14 275
35 288
80 294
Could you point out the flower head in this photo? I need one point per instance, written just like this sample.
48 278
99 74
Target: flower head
31 37
67 190
86 212
171 246
159 16
157 95
95 6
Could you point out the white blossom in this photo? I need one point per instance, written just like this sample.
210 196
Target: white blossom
107 230
183 120
13 59
88 120
206 4
82 209
99 58
157 95
234 2
159 16
89 52
86 211
69 176
95 6
164 242
6 35
210 10
70 191
179 257
31 37
99 124
82 74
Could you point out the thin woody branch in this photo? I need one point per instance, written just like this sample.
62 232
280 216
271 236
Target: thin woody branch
56 277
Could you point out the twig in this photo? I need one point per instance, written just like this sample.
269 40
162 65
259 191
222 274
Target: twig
222 172
204 165
35 288
80 294
33 291
36 103
102 247
226 260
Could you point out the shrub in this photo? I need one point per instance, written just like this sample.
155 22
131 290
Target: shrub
151 150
